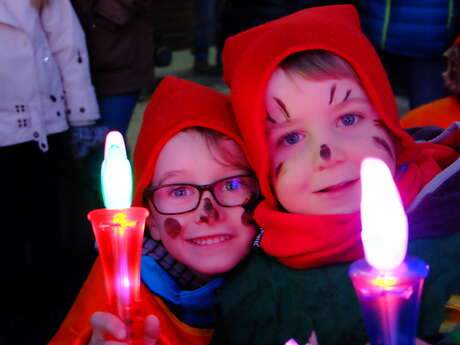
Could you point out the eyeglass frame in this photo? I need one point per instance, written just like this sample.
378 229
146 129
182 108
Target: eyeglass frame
148 193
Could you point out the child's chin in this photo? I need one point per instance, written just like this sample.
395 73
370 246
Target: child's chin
215 269
329 210
346 209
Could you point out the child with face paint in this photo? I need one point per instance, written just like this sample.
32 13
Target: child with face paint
193 177
312 100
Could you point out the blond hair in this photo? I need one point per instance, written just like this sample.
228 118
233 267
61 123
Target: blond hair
214 142
318 65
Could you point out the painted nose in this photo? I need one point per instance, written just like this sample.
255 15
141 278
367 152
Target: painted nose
328 157
325 152
208 211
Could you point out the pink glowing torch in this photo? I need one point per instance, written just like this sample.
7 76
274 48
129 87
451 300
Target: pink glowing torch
388 284
118 229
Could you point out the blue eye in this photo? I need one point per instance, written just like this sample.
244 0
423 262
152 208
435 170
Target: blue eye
179 192
234 184
348 120
292 138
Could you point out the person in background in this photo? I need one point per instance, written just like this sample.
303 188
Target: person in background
240 15
442 112
45 90
195 181
119 37
411 38
120 45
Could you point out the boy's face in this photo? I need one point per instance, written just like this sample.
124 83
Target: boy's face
211 239
318 133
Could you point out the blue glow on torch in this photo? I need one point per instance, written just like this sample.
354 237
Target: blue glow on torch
116 174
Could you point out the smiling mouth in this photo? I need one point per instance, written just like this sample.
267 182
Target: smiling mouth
210 240
338 187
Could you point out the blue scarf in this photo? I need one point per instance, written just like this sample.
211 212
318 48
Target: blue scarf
194 307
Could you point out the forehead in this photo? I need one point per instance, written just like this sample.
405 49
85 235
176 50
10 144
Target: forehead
177 152
189 152
298 93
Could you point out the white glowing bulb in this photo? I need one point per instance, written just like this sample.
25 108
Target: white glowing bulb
126 282
116 175
384 222
291 342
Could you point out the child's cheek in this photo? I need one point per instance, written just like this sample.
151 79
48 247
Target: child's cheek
172 227
294 174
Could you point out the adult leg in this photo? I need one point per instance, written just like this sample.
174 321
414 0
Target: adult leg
116 111
203 31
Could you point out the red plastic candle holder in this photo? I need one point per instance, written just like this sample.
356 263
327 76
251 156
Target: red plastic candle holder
119 234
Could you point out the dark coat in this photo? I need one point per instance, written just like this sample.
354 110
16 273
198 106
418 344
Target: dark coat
416 28
240 15
119 36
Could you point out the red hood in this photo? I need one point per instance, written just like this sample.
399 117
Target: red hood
251 57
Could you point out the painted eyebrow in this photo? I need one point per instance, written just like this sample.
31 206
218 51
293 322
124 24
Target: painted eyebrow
331 97
269 118
380 142
282 107
278 169
347 95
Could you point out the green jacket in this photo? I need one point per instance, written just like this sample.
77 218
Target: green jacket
267 303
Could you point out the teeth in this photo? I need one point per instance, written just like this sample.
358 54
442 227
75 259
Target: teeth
210 240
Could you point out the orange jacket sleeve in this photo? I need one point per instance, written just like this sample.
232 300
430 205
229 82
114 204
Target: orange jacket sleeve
76 328
440 113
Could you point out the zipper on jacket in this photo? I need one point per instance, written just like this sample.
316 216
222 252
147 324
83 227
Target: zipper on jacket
386 22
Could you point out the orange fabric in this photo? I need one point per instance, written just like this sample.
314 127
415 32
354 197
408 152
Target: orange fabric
76 330
440 113
250 58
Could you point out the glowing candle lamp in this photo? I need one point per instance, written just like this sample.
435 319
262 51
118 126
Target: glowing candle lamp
118 229
116 175
388 284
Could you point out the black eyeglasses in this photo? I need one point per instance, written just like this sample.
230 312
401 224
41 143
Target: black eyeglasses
184 197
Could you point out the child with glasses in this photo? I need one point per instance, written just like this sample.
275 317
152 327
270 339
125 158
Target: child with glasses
193 177
312 101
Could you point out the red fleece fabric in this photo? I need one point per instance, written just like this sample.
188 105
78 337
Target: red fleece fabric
250 58
177 104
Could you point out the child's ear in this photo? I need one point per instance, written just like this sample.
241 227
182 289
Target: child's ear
153 228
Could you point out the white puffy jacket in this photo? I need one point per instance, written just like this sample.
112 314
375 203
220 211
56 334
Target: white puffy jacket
45 83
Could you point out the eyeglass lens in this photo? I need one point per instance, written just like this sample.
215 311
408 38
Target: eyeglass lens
234 191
